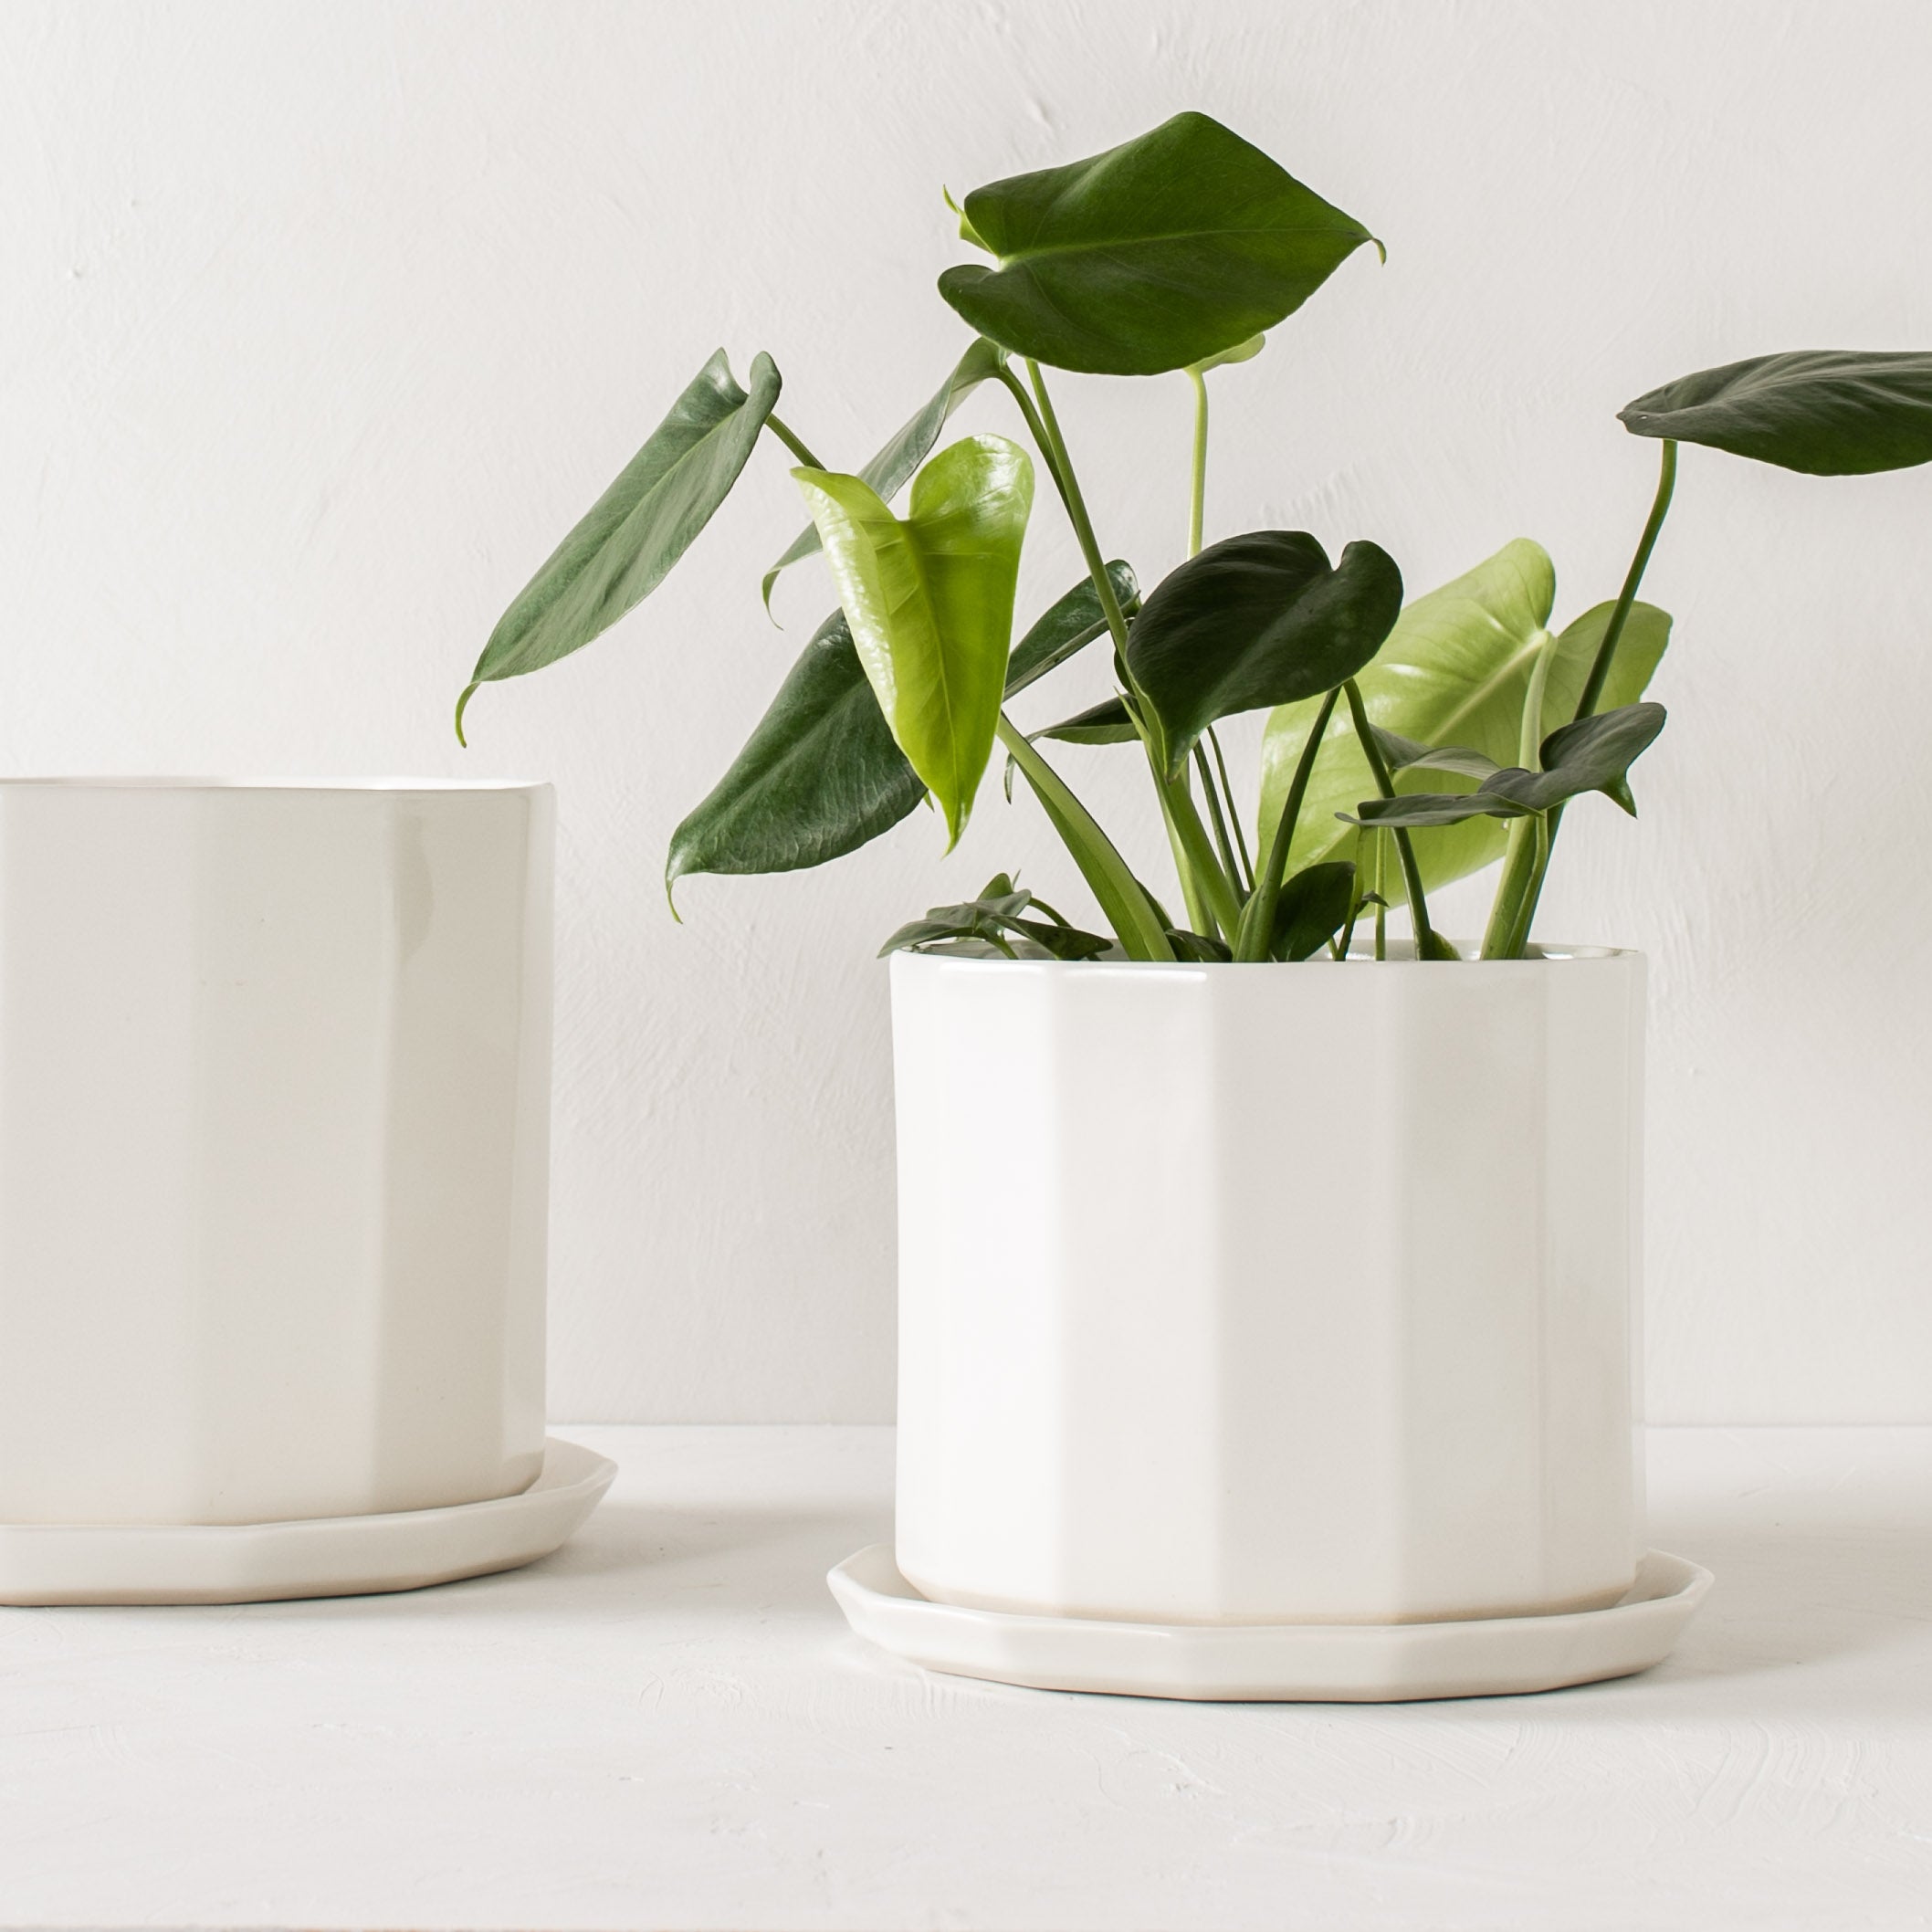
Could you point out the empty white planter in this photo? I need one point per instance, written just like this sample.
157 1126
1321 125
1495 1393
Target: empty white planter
274 1110
1268 1294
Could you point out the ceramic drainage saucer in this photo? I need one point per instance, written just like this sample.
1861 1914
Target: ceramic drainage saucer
1287 1663
322 1556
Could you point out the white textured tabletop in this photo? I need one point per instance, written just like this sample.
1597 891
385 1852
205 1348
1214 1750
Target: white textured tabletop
668 1726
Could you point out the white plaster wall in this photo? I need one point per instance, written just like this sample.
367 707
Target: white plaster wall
318 324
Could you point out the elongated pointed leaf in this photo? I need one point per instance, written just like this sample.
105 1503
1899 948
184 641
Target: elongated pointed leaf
1257 620
819 777
1312 909
994 922
1164 251
1827 412
1070 626
1105 723
1591 755
930 603
1455 671
908 448
1405 755
621 551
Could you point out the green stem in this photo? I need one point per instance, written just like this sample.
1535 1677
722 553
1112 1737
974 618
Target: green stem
1614 632
1227 793
1211 889
1222 844
1045 428
792 443
1136 924
1381 897
1210 885
1257 922
1356 895
1197 498
1531 892
1525 835
1404 847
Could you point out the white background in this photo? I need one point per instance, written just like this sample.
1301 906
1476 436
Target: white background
319 325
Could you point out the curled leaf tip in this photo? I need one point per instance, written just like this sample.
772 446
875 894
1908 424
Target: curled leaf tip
1381 253
670 895
469 691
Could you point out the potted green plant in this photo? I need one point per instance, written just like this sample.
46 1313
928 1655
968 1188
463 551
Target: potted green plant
1258 1267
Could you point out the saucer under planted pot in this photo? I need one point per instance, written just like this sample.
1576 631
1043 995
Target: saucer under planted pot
1272 1294
273 1115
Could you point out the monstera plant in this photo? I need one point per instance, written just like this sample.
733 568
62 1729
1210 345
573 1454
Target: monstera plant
1405 745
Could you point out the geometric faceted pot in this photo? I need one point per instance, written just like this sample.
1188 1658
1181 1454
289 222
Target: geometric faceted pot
1268 1294
274 1114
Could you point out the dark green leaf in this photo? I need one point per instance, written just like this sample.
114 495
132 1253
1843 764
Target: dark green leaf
820 777
1590 755
1198 949
1105 723
1312 909
890 468
994 919
637 529
1404 754
1257 620
1070 626
1827 412
1164 251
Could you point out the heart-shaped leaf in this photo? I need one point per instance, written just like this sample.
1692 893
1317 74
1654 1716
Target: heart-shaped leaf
1455 672
1164 251
1591 755
889 467
627 541
1256 620
1070 626
1827 412
819 778
1312 909
929 601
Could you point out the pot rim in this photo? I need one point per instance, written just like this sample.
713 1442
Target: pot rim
345 786
1553 953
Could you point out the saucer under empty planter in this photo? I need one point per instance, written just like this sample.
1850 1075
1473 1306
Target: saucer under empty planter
1281 1662
47 1563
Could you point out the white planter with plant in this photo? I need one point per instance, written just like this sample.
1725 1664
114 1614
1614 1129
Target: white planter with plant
1249 1270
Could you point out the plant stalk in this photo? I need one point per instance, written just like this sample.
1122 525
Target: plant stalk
1425 941
1197 497
1525 835
792 443
1227 793
1228 862
1530 892
1257 921
1136 924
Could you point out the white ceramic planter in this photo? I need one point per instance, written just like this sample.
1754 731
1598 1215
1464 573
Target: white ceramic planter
274 1112
1268 1294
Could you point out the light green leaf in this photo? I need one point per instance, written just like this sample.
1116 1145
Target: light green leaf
909 447
1827 412
1241 353
1167 250
929 601
1454 671
621 551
